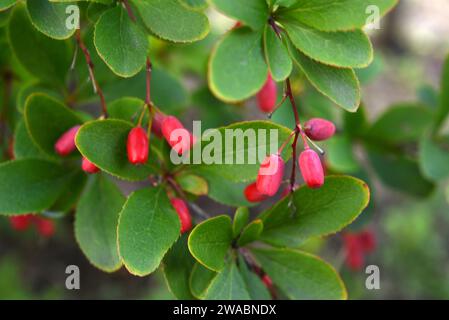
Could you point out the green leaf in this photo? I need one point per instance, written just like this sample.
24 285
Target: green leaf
237 68
434 157
127 108
103 142
222 190
443 108
170 20
241 219
4 18
250 233
193 184
30 185
6 4
315 212
253 13
356 123
120 42
28 89
196 4
200 279
47 119
256 288
300 275
338 84
210 241
251 142
332 15
399 172
96 222
71 193
228 285
276 55
50 19
45 58
148 227
348 49
178 265
167 91
340 154
401 124
24 147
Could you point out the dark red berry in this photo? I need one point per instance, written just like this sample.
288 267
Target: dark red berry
88 166
267 96
319 129
311 168
354 251
178 137
137 146
45 227
183 213
252 194
367 241
156 126
66 143
21 223
270 175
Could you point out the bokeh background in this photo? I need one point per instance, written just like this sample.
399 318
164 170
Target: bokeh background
412 246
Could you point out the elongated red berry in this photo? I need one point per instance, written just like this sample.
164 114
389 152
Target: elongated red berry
253 195
183 213
267 96
319 129
137 146
311 168
156 126
45 227
66 143
178 137
21 223
367 240
88 166
270 175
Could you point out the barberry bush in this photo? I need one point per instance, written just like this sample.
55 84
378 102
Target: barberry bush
88 108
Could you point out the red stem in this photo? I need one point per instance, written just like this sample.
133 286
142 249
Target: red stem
130 11
90 67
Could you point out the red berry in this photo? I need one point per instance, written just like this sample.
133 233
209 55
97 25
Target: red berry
183 213
252 194
45 227
66 143
319 129
88 166
267 281
367 240
137 146
270 175
178 137
21 223
156 126
311 168
267 96
354 251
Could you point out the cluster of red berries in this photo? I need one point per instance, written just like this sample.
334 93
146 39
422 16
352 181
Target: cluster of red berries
271 171
168 127
45 227
357 245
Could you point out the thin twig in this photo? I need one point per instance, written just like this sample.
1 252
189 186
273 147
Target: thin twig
90 67
129 10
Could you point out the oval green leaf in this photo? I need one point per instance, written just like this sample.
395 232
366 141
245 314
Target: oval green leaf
120 42
148 227
96 220
210 241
